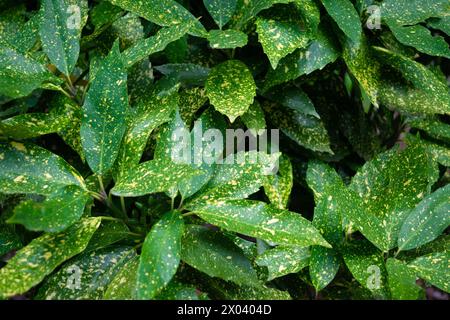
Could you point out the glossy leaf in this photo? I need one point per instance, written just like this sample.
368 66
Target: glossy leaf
227 39
426 221
230 88
434 269
220 10
94 271
57 212
26 168
42 255
60 31
105 109
160 255
152 176
162 12
259 220
217 256
145 47
280 38
283 260
20 74
402 280
345 15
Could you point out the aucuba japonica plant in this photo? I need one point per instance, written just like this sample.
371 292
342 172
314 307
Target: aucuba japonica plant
94 96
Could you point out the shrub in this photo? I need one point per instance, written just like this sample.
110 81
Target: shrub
108 109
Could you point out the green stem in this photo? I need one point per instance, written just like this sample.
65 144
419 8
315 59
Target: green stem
122 204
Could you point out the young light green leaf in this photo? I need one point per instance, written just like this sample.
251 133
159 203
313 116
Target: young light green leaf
259 220
345 15
162 12
426 221
434 269
230 88
217 256
220 10
55 214
160 255
105 109
283 260
402 280
280 38
227 39
42 255
95 270
26 168
60 31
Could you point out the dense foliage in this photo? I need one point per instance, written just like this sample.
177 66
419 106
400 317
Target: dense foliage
94 206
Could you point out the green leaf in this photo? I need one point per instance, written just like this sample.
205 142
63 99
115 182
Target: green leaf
160 255
424 80
319 53
9 240
331 206
42 255
31 125
366 264
426 221
109 232
409 12
217 256
306 130
432 126
145 47
402 280
188 73
434 269
254 119
146 116
26 168
20 74
283 260
280 38
60 31
395 181
293 98
247 10
152 176
421 38
227 39
229 291
55 214
345 15
123 285
278 187
230 88
95 270
259 220
105 109
162 12
238 176
442 24
220 10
